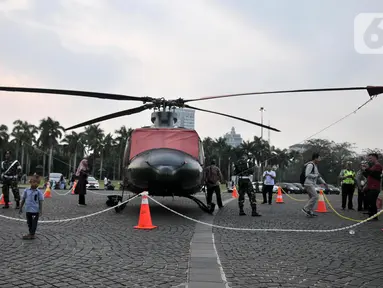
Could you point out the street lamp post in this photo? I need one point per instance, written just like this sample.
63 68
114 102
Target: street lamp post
262 109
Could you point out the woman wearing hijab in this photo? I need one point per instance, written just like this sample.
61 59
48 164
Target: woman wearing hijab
82 176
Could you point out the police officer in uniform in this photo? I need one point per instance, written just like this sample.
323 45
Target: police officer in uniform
347 176
10 172
245 187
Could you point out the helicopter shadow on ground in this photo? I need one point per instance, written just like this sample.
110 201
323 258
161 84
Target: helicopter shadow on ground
183 206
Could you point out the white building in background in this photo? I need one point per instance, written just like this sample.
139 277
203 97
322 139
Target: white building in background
185 118
233 139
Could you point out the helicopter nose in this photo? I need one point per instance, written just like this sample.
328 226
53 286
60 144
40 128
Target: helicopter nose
166 170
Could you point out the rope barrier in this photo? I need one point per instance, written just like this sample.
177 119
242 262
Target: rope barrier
329 204
268 229
336 212
291 197
75 218
204 223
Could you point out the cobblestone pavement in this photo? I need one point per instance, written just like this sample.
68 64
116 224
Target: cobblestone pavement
100 251
290 259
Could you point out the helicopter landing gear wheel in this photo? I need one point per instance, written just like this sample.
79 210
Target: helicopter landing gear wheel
120 208
114 200
206 208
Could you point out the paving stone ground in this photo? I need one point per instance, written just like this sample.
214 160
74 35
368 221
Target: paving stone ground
105 250
290 259
100 251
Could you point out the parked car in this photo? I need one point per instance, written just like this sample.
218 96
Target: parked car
260 186
54 180
289 188
301 188
92 183
331 189
334 189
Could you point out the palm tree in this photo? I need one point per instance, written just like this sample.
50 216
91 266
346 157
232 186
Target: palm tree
208 147
122 136
219 146
4 138
106 147
24 134
51 132
74 141
94 136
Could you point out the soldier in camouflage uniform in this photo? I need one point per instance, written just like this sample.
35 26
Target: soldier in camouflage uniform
10 171
245 187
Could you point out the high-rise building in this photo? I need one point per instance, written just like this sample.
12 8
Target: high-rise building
233 139
185 118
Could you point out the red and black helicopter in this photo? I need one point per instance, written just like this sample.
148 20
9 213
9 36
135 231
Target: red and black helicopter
163 160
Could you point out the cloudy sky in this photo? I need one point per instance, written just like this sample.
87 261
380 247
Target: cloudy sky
179 48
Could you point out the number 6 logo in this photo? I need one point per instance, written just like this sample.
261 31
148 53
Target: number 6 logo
368 33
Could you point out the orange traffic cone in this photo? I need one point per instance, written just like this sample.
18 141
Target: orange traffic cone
145 220
234 194
2 202
279 196
47 193
74 187
321 203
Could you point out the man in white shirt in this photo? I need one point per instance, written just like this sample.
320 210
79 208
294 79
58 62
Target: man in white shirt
268 184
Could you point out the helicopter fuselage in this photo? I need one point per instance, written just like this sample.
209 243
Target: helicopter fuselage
164 172
164 162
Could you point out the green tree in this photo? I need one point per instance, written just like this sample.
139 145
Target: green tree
74 142
122 136
4 138
51 133
106 150
94 136
25 136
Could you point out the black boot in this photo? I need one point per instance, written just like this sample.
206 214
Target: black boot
17 204
254 212
241 212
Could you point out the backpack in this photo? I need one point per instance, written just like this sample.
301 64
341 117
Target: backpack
213 176
302 177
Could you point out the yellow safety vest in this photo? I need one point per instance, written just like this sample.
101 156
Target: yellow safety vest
349 180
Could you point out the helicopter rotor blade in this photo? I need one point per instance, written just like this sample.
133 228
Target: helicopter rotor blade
234 117
112 116
372 91
76 93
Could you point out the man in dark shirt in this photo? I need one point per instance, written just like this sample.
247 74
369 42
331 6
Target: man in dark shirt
373 173
361 182
212 178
